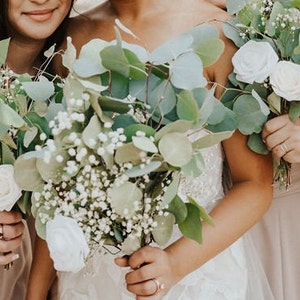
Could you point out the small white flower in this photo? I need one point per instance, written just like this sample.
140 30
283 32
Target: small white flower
285 80
254 62
67 245
9 190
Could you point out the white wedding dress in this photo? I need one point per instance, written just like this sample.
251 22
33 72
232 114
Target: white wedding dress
235 274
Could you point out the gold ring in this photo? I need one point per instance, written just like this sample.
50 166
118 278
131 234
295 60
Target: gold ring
284 149
159 286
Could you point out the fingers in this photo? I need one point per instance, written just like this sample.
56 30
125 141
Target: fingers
122 261
10 232
10 245
282 137
8 258
10 217
274 125
151 273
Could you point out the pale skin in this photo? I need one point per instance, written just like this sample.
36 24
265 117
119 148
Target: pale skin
31 22
283 131
154 22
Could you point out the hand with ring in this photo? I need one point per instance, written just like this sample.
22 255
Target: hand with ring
282 137
152 273
11 232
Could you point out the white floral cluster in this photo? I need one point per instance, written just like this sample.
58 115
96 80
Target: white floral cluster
83 192
289 19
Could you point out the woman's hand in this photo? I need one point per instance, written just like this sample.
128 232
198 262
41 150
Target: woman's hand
282 137
152 273
11 232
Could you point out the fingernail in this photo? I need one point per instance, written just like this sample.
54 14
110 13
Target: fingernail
15 257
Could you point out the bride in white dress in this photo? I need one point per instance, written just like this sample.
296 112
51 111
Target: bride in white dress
224 266
228 276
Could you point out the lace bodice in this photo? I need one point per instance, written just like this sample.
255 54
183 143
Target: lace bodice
207 188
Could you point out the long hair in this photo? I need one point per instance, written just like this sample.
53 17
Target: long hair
56 37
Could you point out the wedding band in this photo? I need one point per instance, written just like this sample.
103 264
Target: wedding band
284 148
159 286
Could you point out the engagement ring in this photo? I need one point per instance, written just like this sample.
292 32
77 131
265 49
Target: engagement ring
159 286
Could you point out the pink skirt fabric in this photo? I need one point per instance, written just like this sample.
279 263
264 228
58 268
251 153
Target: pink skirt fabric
277 240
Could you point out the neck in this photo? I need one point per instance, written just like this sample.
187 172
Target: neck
23 56
135 9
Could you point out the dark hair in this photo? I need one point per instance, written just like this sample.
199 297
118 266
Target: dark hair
56 37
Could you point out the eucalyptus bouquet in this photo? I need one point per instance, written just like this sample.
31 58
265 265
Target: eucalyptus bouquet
23 109
109 177
266 79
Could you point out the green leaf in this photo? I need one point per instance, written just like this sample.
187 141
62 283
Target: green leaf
128 153
86 68
176 149
203 214
195 166
210 51
7 155
114 59
296 3
181 126
186 72
40 90
29 136
131 131
256 144
69 55
26 174
163 231
234 6
171 49
250 118
211 139
124 198
178 208
144 143
91 132
4 44
187 107
171 191
141 170
294 110
8 118
191 227
24 204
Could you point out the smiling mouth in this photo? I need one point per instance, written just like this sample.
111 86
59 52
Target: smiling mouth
40 15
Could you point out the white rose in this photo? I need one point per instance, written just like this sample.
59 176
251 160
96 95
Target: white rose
285 80
67 244
254 62
9 190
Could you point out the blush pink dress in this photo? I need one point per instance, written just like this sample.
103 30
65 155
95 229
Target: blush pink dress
277 239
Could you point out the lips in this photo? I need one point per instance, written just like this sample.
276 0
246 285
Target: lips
40 15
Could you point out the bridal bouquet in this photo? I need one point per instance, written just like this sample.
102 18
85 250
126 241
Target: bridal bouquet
23 109
108 179
266 76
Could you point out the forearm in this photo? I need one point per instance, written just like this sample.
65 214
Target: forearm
42 272
240 209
